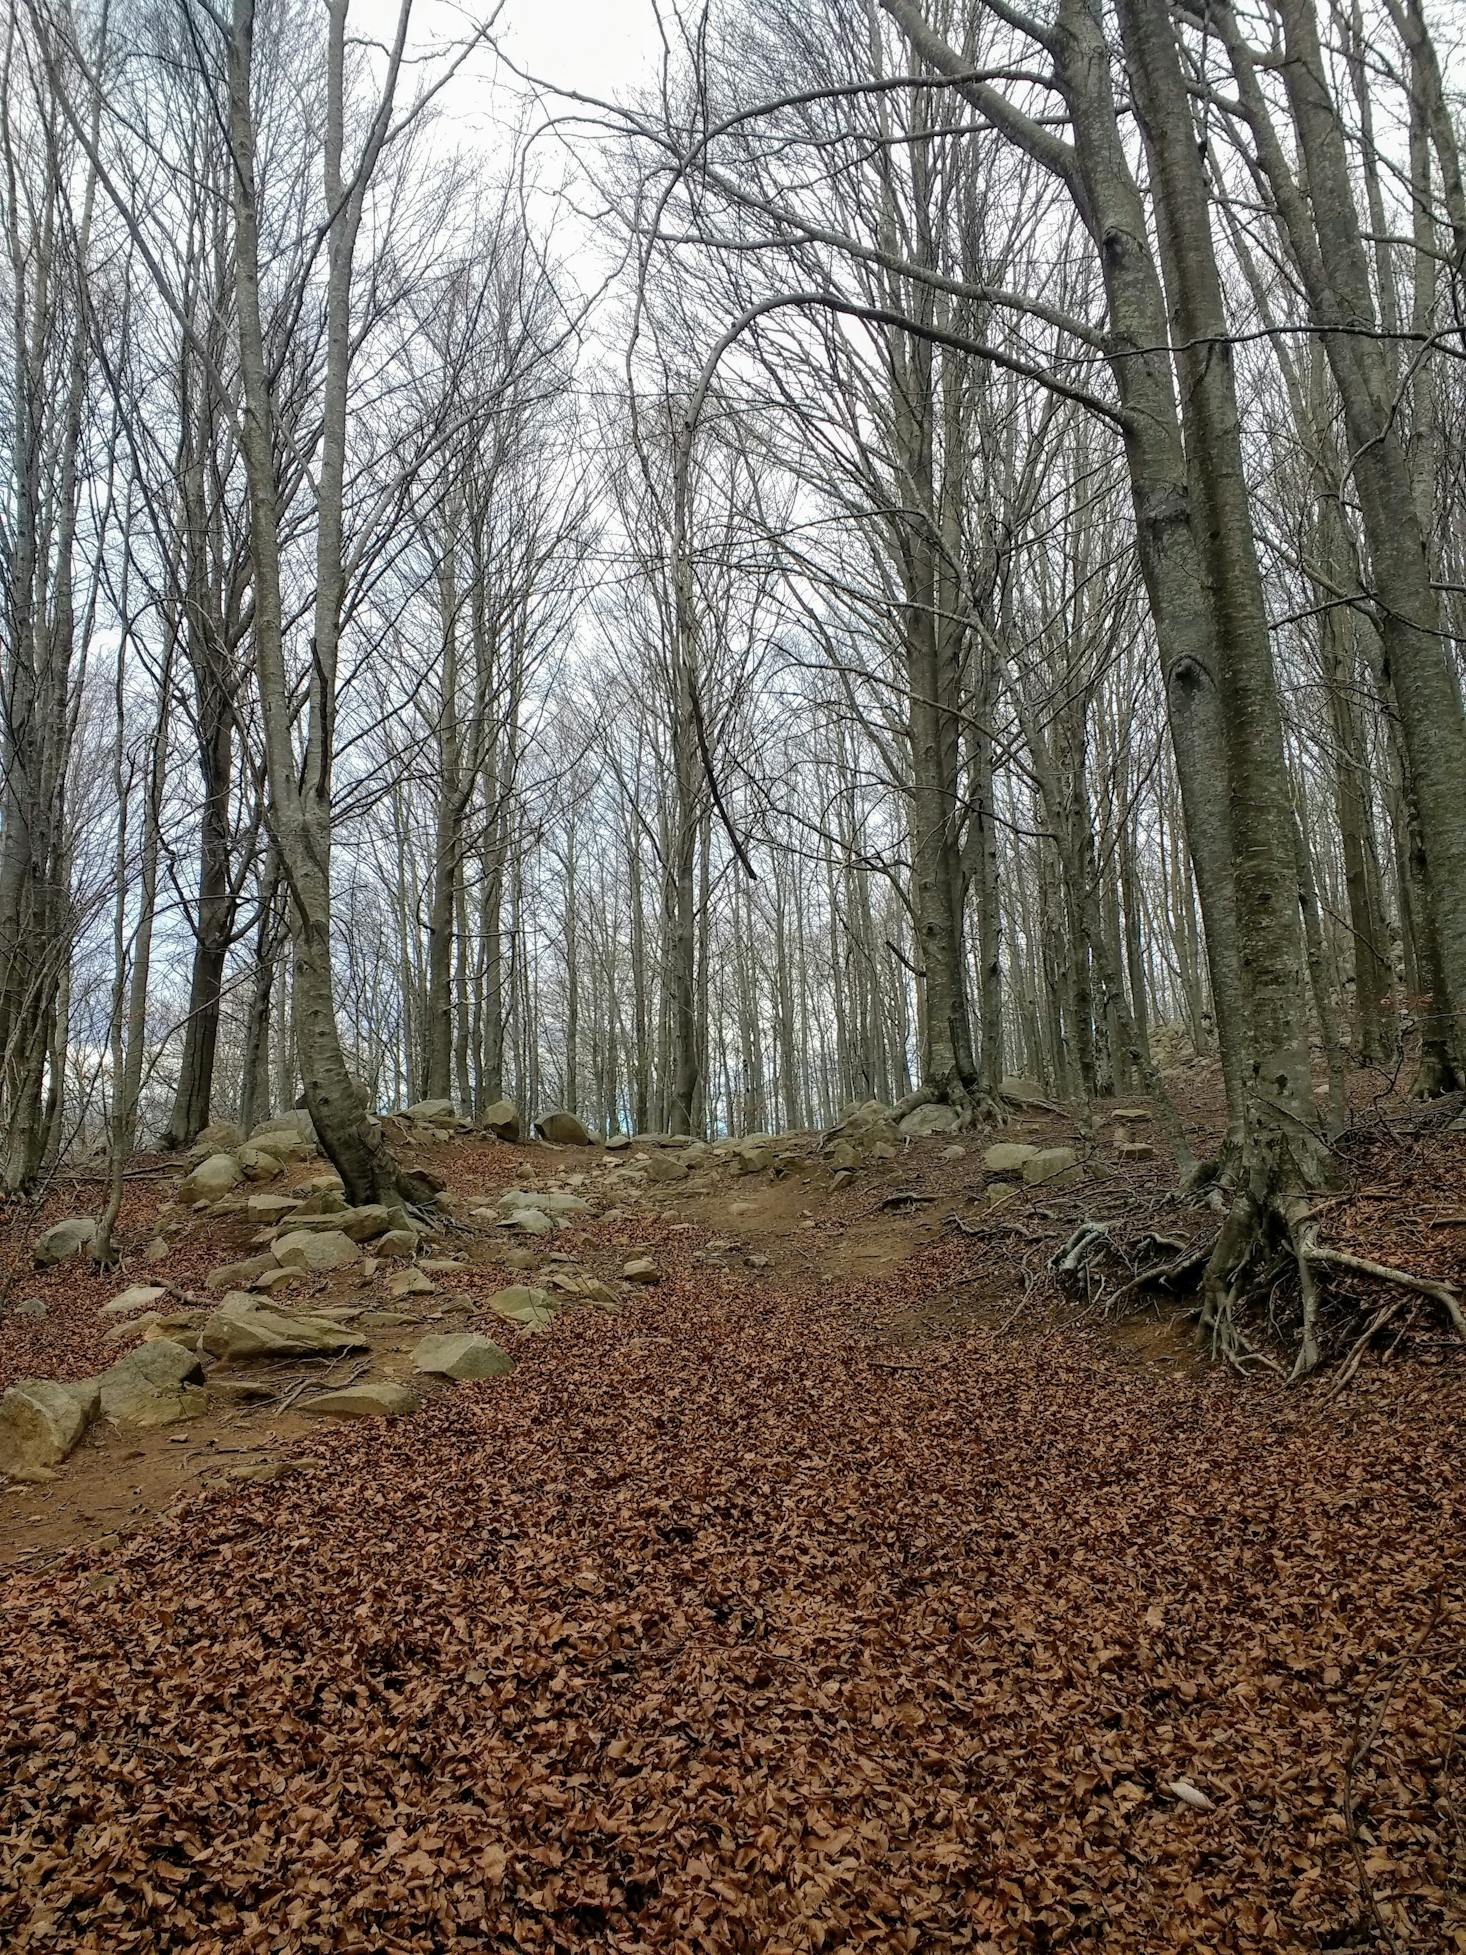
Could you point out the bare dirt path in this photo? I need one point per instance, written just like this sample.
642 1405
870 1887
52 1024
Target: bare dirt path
733 1622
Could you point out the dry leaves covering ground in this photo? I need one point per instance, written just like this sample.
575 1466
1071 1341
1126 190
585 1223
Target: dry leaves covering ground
729 1624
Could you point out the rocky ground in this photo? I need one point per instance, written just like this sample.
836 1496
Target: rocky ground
744 1548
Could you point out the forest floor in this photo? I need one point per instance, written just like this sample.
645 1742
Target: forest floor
848 1587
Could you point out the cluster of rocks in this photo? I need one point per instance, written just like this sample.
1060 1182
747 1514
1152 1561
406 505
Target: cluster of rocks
162 1381
1050 1167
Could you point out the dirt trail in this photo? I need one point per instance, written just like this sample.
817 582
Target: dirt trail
758 1617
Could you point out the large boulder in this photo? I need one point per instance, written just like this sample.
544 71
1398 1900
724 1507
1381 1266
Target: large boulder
215 1176
564 1129
752 1155
63 1240
155 1385
461 1354
244 1327
924 1121
502 1120
432 1113
1008 1157
220 1137
40 1423
365 1401
328 1211
666 1167
315 1249
259 1163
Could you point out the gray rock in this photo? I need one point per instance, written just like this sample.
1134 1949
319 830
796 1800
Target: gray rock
245 1327
31 1307
924 1121
40 1422
502 1120
63 1240
140 1297
666 1167
1008 1157
259 1163
564 1129
1052 1167
238 1275
532 1221
215 1176
524 1304
461 1354
365 1401
155 1385
316 1249
432 1113
641 1269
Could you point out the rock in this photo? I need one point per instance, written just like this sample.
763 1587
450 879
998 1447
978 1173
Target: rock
549 1201
518 1258
1008 1157
31 1307
564 1130
244 1327
618 1143
284 1146
315 1249
523 1304
155 1385
40 1422
1135 1150
1023 1092
641 1269
461 1354
366 1401
139 1297
362 1224
1052 1167
410 1283
997 1192
502 1120
272 1208
666 1167
270 1280
296 1125
159 1249
396 1244
214 1177
843 1157
751 1156
953 1154
1130 1116
262 1471
384 1319
432 1113
220 1137
533 1221
239 1275
924 1121
259 1163
63 1240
